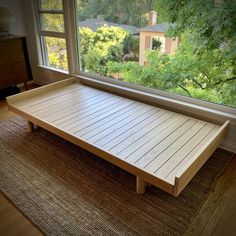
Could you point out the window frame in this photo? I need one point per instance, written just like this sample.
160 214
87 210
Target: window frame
48 33
163 45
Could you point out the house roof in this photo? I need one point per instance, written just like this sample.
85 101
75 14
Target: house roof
162 27
93 24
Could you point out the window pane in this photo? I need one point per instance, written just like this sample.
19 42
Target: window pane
50 5
52 22
125 40
55 52
158 43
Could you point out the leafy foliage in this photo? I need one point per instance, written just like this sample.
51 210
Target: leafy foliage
97 48
204 65
182 73
117 11
57 56
211 29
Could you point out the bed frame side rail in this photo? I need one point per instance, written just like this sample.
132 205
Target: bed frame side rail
192 167
40 90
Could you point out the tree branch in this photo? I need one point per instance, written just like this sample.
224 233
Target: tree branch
206 75
223 81
185 90
198 84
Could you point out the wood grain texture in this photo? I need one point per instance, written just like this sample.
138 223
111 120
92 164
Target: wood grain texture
196 162
217 216
13 222
142 139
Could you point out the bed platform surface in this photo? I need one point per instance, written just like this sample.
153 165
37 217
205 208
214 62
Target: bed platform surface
160 147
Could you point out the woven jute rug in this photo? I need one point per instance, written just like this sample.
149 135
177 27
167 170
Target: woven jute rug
65 190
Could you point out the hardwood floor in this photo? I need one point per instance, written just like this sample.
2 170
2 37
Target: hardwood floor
217 216
12 221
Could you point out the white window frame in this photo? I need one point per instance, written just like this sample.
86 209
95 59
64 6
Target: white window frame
68 34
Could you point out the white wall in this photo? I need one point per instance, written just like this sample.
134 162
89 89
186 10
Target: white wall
14 7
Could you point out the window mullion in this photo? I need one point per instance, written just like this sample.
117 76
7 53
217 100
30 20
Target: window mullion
71 35
52 34
51 11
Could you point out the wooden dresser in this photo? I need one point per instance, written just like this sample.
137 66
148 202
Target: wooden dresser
14 61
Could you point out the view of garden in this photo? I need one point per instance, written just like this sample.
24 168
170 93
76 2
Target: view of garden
203 66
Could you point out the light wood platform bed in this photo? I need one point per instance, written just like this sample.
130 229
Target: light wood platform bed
159 147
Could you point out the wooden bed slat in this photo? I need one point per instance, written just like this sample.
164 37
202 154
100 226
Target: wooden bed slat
42 90
135 129
185 159
162 156
160 147
44 95
119 128
70 107
55 103
178 157
184 176
104 112
109 121
39 99
155 149
125 142
139 149
85 111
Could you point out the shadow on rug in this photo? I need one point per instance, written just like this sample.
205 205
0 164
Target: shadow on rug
65 190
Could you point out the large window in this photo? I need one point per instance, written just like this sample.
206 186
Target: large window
126 41
52 34
186 49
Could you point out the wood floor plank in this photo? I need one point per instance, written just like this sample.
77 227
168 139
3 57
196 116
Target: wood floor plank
119 128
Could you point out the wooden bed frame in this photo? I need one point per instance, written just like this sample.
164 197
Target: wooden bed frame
159 147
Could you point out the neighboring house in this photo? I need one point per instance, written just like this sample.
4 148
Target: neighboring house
93 24
154 33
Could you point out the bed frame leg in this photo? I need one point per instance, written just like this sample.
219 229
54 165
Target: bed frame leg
140 186
30 126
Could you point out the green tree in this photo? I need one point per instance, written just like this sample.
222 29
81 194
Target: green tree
210 47
182 73
86 42
97 48
117 11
